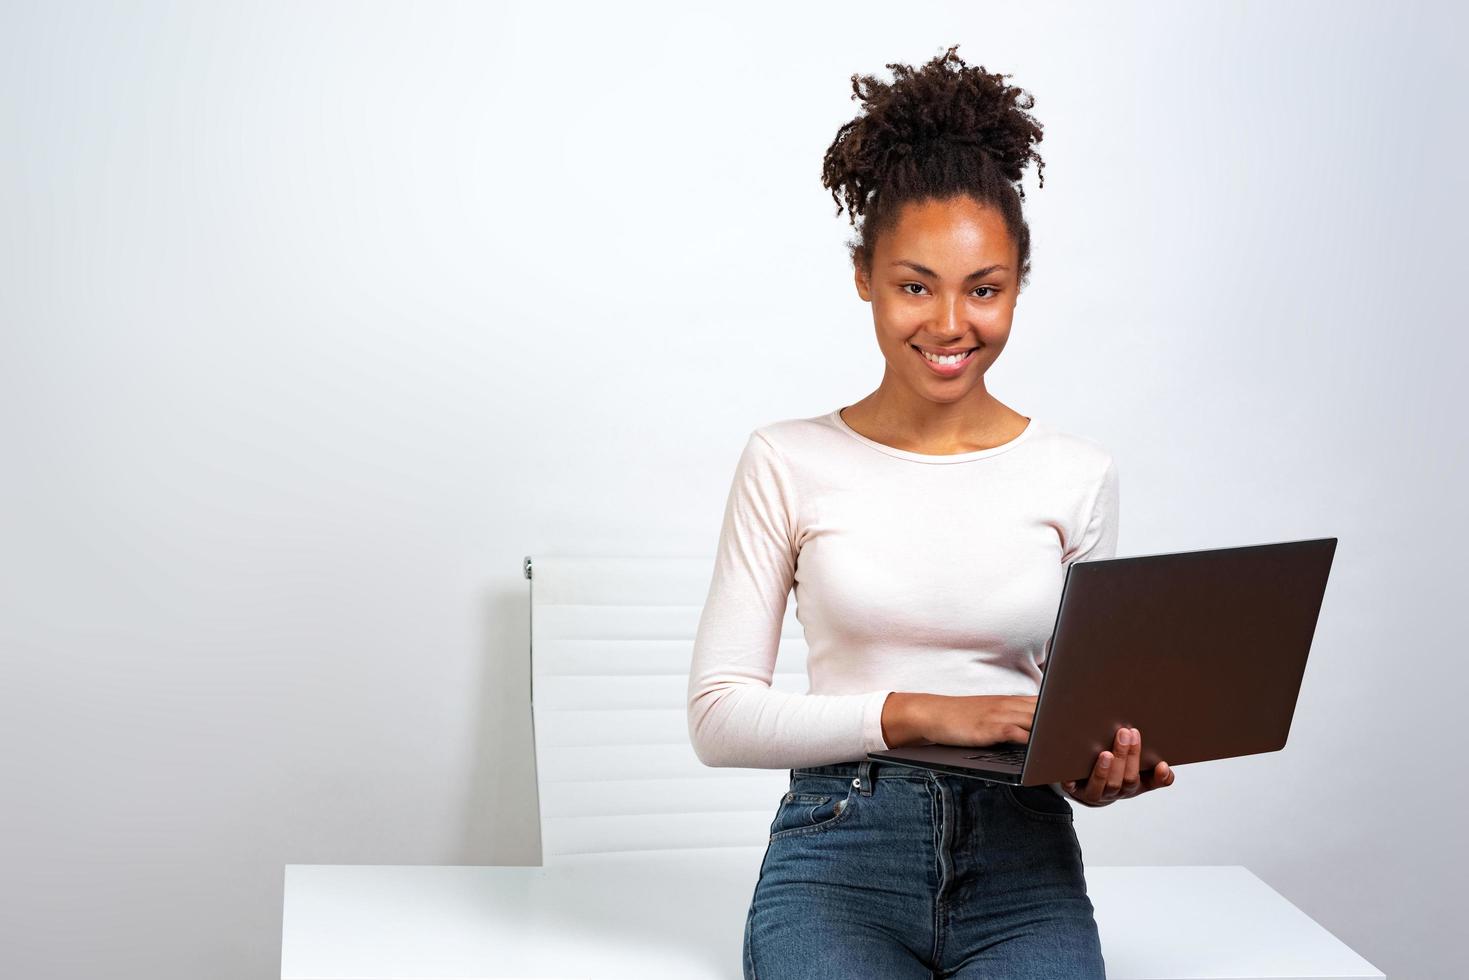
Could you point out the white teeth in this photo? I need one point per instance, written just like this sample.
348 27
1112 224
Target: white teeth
950 359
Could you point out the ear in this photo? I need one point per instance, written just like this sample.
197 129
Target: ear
864 288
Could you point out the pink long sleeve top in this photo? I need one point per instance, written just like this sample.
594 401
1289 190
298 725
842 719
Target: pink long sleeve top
912 572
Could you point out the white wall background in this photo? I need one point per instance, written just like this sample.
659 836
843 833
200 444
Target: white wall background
317 318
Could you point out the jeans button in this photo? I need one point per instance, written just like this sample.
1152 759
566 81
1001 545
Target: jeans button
857 782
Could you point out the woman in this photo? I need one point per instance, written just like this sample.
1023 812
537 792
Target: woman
926 530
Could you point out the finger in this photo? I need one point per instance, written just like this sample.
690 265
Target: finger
1118 772
1131 784
1162 775
1096 786
1027 712
1119 763
1024 717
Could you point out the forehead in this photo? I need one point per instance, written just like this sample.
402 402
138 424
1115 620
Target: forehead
957 230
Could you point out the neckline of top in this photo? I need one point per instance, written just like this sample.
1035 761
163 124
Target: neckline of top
840 423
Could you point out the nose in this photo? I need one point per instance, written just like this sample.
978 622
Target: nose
951 324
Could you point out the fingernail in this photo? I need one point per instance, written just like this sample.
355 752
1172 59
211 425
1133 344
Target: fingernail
1106 762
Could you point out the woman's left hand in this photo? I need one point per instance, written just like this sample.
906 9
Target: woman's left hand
1115 775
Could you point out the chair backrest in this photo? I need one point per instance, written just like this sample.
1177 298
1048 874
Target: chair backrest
611 647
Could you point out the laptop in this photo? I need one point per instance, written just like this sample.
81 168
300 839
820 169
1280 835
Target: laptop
1201 651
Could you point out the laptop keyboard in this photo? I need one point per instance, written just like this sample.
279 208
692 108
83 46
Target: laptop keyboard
1014 755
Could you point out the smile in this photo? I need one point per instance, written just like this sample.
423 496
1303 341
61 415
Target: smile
946 366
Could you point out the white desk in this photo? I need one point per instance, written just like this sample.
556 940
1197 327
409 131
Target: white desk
682 914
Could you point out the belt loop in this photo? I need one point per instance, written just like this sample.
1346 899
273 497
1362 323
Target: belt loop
864 777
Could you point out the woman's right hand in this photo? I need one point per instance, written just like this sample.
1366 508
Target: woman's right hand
983 719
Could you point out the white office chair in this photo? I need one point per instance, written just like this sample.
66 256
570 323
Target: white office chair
611 646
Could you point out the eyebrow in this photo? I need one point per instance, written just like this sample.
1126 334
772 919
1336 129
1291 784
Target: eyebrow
924 270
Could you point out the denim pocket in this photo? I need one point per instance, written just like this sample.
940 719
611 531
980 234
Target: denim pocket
807 813
1039 801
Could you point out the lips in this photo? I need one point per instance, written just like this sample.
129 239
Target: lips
946 370
943 351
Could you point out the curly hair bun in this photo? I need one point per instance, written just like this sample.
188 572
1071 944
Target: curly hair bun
942 129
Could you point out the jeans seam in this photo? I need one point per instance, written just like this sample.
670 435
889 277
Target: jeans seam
749 937
940 829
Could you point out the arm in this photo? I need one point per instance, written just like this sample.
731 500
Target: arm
901 719
735 717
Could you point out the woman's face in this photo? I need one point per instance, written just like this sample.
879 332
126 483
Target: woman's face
945 278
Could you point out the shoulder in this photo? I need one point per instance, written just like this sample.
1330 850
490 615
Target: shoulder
1064 445
793 440
1076 455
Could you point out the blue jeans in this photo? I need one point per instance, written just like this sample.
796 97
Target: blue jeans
884 871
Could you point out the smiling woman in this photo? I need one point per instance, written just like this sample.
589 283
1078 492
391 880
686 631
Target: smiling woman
933 168
925 530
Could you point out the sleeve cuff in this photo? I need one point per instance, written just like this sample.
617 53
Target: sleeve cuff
872 723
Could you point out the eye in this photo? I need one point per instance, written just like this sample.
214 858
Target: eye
919 285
